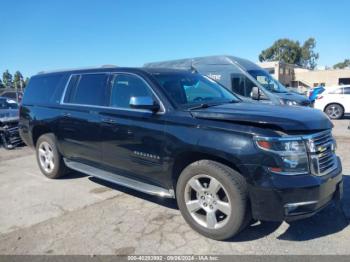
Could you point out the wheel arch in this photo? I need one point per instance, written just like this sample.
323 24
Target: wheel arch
331 103
186 158
39 131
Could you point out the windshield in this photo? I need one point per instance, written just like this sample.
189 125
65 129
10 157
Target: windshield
8 104
188 89
267 81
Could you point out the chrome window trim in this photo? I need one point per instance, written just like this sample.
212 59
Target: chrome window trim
162 111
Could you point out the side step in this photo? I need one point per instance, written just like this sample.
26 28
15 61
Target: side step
120 180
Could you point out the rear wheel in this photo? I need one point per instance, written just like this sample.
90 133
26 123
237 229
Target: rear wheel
49 159
212 198
334 111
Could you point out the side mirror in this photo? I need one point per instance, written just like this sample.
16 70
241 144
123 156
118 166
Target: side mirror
144 102
255 94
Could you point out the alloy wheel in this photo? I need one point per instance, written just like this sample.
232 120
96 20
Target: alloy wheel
207 201
46 157
334 111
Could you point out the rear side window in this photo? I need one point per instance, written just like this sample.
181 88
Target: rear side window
44 89
337 91
347 90
88 89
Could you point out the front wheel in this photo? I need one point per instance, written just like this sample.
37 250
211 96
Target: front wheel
334 111
213 199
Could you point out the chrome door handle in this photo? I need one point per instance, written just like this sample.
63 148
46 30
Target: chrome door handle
109 120
66 114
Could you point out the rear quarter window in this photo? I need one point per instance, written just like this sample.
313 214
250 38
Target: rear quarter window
46 89
336 91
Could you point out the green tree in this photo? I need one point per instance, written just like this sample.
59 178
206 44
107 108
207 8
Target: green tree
1 84
289 51
18 80
7 79
341 65
308 56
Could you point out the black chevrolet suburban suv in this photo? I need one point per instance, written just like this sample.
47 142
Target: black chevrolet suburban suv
179 134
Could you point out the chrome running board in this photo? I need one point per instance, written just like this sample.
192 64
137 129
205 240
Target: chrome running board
120 180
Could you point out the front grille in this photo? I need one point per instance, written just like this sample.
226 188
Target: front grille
321 147
306 103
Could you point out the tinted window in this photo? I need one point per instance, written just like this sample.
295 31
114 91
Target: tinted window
347 90
124 87
44 89
337 91
89 89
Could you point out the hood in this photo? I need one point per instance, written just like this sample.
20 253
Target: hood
286 118
293 96
7 115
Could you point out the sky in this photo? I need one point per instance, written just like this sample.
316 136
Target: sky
38 35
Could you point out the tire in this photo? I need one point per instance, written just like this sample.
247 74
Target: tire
47 152
229 205
334 111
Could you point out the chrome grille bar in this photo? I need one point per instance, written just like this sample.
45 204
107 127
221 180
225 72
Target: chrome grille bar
321 147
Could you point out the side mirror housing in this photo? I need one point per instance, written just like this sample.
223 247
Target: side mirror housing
255 94
144 102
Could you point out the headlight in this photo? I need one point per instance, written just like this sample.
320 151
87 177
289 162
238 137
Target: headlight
290 154
288 102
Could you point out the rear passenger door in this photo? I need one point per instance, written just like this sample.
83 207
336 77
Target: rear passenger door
80 121
133 140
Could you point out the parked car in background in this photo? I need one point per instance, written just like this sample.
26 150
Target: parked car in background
9 136
241 76
179 134
334 101
12 94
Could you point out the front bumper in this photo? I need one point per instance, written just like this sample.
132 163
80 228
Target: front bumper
281 197
10 136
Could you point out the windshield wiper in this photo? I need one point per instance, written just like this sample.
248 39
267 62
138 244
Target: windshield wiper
204 105
233 101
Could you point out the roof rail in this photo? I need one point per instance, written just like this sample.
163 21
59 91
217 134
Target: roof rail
77 68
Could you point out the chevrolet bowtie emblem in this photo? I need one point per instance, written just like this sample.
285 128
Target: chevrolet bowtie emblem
322 149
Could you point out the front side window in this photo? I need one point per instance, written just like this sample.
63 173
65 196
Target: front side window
267 81
125 86
87 89
187 89
241 84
